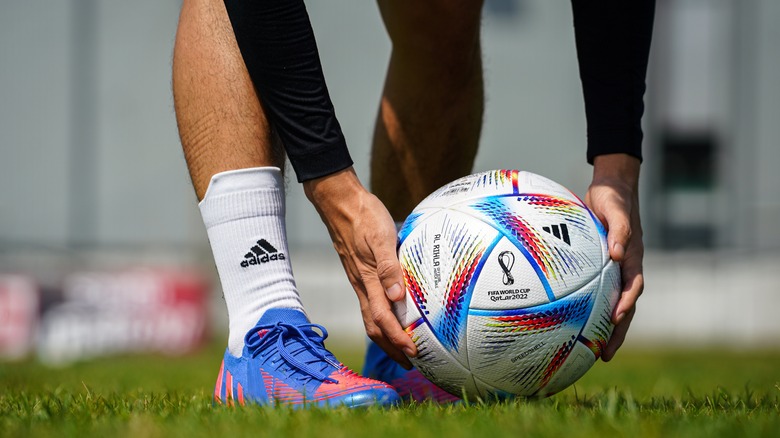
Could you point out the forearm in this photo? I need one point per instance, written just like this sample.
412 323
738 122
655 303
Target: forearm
280 52
613 44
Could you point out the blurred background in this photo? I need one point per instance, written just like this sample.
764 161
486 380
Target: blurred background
102 248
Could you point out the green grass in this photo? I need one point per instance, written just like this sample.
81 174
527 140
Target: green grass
640 393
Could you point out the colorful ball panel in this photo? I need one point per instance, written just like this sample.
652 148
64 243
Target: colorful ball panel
509 285
520 350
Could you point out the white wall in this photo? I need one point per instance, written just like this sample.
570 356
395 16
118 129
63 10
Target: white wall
144 192
767 88
34 123
141 192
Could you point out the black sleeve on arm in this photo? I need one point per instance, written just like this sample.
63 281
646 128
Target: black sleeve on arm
280 53
613 43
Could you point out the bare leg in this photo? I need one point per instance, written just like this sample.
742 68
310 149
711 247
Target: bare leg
430 116
221 122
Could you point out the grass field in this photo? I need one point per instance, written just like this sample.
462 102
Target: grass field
641 393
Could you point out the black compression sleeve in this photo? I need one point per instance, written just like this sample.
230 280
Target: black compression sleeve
613 43
280 53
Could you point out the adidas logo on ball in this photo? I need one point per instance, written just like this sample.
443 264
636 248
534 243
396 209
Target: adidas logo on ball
263 252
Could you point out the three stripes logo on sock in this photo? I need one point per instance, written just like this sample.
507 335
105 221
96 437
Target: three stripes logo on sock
263 252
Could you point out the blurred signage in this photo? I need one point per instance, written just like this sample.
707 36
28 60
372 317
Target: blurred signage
97 314
19 309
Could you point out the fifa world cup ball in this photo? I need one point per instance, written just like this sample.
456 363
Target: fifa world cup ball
509 286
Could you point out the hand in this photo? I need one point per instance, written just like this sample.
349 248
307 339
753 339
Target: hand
364 236
613 198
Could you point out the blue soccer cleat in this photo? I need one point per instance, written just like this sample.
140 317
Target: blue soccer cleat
410 384
285 362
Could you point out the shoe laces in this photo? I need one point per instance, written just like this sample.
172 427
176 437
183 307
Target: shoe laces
264 337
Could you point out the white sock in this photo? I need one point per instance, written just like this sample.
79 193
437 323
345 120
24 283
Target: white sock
243 211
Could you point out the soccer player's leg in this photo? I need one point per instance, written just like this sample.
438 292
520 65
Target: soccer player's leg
430 116
428 127
274 354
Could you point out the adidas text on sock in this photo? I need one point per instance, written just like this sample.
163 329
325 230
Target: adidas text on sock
243 211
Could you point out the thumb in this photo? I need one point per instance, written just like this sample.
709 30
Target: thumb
619 229
389 272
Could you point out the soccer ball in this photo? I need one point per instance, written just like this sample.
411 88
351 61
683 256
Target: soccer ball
509 286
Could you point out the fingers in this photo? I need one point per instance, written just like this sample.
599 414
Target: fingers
376 335
389 273
379 249
383 285
633 286
618 222
384 318
618 336
371 310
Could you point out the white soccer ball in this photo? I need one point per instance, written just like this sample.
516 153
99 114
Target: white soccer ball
509 286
